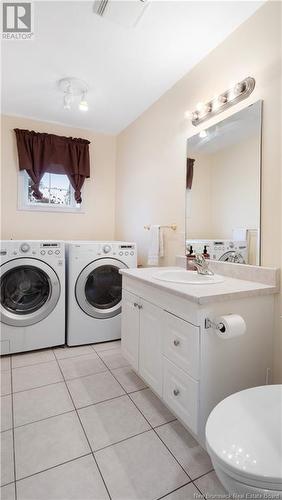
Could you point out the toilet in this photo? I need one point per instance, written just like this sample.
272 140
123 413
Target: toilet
244 441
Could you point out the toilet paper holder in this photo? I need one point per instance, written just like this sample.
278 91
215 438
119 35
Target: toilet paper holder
217 326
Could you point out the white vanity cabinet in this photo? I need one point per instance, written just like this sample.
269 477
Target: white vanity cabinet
188 366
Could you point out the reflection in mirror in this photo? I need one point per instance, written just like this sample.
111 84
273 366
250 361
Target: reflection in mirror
223 189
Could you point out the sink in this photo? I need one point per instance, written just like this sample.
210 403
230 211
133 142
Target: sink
188 277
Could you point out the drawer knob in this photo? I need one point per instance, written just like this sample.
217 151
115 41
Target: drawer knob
176 342
140 307
135 304
176 392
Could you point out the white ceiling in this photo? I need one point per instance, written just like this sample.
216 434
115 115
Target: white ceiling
127 69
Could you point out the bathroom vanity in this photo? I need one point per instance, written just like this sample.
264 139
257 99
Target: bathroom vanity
189 366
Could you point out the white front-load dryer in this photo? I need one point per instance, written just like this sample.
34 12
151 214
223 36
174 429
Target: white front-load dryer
32 280
94 289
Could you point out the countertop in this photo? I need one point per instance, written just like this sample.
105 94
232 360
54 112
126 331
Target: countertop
230 288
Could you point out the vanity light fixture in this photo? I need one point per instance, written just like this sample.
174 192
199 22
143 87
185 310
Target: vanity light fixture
72 87
237 93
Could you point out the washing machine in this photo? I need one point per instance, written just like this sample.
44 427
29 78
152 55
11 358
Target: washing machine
223 250
32 281
94 288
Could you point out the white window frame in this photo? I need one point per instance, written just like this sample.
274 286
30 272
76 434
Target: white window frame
24 204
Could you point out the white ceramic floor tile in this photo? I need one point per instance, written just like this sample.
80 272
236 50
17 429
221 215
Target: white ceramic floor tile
8 492
113 358
76 480
71 352
152 407
193 458
6 413
128 379
32 358
81 366
47 443
210 485
5 383
28 377
5 363
94 389
7 458
111 421
140 468
40 403
104 346
188 492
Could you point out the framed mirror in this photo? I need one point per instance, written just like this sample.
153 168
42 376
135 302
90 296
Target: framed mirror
223 189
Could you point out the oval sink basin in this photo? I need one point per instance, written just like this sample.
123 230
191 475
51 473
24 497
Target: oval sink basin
188 277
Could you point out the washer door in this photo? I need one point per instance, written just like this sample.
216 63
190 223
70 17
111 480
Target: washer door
30 289
233 257
98 288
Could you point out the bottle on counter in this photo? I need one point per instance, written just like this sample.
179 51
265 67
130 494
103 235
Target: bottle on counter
190 258
205 253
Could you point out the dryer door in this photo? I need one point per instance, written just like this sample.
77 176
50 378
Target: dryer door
30 289
98 288
232 256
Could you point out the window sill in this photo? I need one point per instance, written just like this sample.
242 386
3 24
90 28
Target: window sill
55 209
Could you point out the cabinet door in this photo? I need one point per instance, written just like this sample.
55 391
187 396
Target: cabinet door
150 358
130 328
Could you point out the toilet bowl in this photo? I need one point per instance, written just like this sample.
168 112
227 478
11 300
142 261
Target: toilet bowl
244 441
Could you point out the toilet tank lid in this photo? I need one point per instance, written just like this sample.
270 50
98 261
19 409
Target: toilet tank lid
244 432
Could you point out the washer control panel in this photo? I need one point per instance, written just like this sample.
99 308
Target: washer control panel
126 249
36 249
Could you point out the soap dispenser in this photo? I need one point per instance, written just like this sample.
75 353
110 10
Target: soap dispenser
190 258
206 255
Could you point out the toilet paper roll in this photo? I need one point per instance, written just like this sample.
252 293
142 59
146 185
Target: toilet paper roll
230 326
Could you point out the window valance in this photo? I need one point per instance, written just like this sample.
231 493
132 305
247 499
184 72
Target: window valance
39 153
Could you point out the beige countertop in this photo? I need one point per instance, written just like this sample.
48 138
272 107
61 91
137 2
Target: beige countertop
230 288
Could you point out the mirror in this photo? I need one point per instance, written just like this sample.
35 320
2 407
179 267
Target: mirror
223 189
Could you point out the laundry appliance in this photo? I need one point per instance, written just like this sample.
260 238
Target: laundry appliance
223 250
94 288
32 280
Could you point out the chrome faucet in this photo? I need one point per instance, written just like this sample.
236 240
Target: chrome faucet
202 265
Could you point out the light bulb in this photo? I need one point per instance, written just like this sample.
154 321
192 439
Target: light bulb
68 100
203 134
83 105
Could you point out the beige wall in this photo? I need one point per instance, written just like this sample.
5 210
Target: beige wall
151 151
97 218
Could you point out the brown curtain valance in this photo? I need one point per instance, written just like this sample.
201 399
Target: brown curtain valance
39 153
189 172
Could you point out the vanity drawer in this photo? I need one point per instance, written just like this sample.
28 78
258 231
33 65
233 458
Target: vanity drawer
180 393
180 344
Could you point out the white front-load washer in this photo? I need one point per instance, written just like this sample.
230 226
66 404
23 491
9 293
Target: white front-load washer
32 281
94 288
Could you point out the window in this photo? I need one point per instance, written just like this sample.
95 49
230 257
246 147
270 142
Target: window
58 194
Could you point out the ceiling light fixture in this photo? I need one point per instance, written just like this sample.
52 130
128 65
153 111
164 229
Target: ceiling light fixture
71 88
237 93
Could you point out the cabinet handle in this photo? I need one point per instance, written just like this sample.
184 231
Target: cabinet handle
140 307
176 392
135 304
176 342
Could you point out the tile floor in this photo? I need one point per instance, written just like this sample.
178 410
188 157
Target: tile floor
78 424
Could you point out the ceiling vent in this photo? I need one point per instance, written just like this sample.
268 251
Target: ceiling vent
123 12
